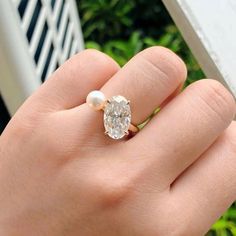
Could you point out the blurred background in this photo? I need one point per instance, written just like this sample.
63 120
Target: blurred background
123 28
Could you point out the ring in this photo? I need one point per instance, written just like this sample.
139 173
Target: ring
117 114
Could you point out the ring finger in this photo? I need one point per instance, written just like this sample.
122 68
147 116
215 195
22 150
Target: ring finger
147 80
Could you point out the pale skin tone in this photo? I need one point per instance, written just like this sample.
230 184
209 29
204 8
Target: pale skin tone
60 175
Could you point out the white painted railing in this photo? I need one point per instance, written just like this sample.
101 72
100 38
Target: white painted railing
209 28
36 36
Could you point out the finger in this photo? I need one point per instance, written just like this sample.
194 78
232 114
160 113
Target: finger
147 80
208 187
184 128
70 84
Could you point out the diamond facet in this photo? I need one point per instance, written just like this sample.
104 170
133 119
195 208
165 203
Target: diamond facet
117 117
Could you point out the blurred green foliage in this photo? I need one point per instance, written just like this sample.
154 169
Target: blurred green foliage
122 28
226 225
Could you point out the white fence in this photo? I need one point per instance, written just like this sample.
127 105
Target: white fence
209 28
36 36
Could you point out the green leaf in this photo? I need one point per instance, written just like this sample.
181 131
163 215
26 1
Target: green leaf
94 45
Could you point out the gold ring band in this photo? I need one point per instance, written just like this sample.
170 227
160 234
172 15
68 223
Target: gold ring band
133 128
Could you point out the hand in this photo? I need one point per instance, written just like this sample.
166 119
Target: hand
60 175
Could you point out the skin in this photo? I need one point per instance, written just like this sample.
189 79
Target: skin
60 175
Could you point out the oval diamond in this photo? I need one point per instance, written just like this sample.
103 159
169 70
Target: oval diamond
117 117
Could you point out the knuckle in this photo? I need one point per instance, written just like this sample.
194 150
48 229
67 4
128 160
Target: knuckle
111 191
167 62
98 177
89 58
216 97
96 57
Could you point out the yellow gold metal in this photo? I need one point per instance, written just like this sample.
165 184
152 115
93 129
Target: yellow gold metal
133 128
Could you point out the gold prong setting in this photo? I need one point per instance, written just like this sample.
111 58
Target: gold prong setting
117 113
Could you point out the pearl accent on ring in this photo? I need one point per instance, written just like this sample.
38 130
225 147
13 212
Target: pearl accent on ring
96 100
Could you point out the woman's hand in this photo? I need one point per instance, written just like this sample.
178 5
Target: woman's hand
60 175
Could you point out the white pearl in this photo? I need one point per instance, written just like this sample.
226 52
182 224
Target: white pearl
96 99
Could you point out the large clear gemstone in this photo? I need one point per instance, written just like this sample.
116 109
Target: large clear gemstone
117 117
